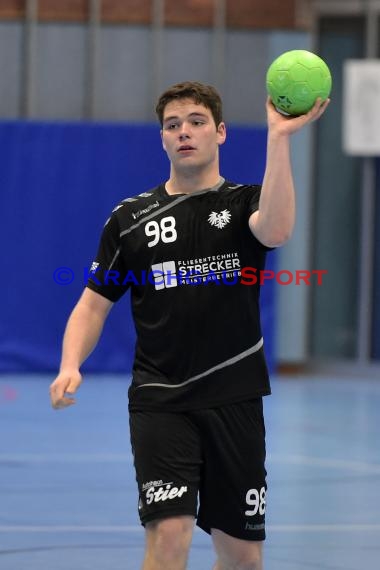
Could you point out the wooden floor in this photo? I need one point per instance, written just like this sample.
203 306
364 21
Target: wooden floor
68 495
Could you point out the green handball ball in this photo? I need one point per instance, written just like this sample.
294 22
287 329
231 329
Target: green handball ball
295 79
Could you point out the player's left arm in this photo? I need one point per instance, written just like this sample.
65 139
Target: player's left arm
273 222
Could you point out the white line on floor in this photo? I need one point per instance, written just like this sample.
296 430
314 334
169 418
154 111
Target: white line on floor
66 458
137 528
320 462
325 462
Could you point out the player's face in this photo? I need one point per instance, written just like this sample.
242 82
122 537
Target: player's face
190 136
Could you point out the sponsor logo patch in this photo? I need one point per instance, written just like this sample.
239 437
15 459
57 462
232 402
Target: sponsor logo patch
157 491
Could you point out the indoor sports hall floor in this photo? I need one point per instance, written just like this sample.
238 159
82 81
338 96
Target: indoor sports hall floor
68 496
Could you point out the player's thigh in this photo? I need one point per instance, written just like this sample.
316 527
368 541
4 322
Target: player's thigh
233 488
167 458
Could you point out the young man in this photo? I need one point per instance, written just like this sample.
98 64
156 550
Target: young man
199 374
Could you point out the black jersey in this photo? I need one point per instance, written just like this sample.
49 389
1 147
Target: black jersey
199 341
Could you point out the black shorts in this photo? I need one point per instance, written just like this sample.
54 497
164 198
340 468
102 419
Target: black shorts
216 454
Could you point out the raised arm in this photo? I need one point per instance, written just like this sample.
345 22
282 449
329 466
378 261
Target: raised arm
273 222
81 336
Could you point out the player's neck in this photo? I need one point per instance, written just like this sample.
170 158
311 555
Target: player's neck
189 182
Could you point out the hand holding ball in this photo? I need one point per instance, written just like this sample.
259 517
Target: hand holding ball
296 79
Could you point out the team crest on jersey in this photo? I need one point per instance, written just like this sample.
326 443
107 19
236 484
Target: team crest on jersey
221 219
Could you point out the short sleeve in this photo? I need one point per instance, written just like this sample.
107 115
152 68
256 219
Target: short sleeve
106 275
253 199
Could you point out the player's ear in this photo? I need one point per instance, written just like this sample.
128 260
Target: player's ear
222 133
162 139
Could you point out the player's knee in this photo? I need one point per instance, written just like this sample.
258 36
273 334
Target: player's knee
248 563
246 559
169 539
251 563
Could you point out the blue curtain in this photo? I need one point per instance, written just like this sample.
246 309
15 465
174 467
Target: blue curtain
58 184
